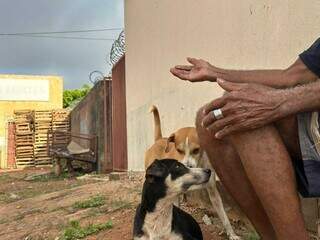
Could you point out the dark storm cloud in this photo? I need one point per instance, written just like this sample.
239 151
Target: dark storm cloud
72 59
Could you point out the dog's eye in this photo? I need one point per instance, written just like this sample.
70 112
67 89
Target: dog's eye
196 151
180 151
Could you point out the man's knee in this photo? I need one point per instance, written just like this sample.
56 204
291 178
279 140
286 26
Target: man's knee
202 131
199 117
205 136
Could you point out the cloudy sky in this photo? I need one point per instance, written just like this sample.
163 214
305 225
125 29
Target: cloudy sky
73 59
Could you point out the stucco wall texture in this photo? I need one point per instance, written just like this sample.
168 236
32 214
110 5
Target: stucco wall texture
231 34
7 108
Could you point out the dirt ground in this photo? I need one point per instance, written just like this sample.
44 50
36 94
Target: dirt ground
36 205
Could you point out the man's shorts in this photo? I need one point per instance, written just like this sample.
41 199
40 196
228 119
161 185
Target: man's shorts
307 170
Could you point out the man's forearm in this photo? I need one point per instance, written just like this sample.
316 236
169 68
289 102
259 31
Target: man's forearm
272 78
302 98
296 74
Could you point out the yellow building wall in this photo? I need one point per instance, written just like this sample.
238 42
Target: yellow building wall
7 108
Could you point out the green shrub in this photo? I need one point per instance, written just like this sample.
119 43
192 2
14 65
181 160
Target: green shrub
70 97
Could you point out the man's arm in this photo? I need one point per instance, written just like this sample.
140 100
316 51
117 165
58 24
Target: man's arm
305 69
303 98
294 75
200 70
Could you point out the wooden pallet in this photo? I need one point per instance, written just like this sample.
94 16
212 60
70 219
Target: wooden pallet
58 114
32 138
24 139
61 125
43 116
23 116
23 127
43 160
20 150
61 122
42 125
23 163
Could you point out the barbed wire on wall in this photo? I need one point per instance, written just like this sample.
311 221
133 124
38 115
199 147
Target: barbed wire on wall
96 76
116 52
117 49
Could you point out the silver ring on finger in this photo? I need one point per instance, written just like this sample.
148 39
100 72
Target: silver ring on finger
217 114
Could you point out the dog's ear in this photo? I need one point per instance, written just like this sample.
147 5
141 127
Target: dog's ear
170 139
156 169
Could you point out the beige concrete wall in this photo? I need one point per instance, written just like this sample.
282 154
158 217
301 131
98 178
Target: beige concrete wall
7 108
233 34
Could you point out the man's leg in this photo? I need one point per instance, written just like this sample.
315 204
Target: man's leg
228 166
269 169
288 130
268 166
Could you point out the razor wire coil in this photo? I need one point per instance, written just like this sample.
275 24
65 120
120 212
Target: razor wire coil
117 49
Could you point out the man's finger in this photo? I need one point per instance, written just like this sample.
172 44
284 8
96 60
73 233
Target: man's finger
220 124
229 86
228 130
184 67
182 74
215 104
193 61
208 120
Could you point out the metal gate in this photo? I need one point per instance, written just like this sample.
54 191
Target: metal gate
119 119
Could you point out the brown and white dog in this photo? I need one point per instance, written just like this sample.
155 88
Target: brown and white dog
183 145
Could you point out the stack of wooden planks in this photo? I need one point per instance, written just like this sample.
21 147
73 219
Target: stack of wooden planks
33 135
24 138
61 123
42 127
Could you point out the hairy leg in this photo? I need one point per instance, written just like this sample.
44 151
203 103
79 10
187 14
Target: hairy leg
266 162
288 130
269 168
227 164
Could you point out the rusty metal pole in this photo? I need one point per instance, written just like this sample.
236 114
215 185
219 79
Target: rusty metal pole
11 158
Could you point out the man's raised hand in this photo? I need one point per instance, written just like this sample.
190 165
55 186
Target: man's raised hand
199 71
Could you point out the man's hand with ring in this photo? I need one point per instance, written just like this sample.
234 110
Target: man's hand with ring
244 107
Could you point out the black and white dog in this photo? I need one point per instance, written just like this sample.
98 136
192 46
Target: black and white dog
156 217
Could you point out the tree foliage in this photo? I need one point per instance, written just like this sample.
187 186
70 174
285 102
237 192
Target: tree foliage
70 97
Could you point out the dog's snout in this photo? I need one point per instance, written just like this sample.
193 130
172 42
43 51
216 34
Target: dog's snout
207 171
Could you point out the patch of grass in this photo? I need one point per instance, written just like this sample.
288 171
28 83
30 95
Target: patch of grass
75 231
50 177
252 236
19 217
5 177
22 215
94 212
120 204
5 197
3 221
95 201
22 194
